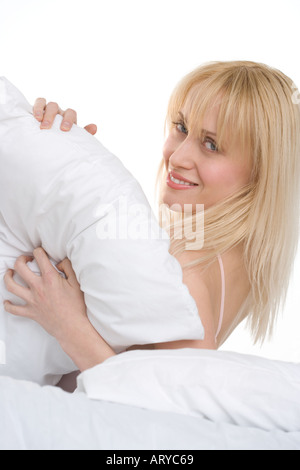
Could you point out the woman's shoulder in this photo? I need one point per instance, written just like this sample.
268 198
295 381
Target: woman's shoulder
208 288
198 281
199 290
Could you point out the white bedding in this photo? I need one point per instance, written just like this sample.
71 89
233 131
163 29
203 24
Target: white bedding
35 417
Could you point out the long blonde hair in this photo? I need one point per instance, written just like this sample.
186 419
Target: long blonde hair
257 108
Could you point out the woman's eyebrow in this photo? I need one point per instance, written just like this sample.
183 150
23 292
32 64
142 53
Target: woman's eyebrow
205 131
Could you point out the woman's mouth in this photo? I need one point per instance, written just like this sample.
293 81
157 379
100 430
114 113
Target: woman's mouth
176 181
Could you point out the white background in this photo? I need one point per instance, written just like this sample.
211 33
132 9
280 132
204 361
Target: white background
117 61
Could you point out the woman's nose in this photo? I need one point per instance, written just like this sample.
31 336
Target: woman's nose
184 155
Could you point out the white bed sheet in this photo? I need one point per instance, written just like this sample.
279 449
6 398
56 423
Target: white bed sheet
224 387
47 418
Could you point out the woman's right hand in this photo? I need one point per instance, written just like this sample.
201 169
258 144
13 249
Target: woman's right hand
46 113
57 304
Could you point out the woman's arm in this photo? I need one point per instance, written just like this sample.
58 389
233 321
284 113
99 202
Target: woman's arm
57 304
85 346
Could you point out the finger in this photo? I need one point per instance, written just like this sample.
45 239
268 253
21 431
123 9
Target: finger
14 288
43 261
23 270
69 118
60 111
65 266
18 310
52 109
38 108
91 129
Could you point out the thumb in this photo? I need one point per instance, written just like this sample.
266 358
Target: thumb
65 267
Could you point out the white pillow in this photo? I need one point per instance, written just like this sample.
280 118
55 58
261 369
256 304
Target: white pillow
222 386
66 192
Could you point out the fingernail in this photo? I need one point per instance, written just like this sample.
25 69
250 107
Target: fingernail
66 125
45 125
38 114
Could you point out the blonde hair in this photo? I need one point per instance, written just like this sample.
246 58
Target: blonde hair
258 109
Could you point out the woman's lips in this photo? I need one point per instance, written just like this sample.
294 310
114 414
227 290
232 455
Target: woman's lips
176 181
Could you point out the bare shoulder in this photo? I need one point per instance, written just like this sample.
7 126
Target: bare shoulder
200 293
197 282
205 286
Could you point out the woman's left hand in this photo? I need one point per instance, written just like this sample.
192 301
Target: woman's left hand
57 304
45 113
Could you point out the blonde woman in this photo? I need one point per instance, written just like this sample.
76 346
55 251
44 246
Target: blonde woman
233 146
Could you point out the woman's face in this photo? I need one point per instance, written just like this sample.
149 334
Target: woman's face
213 175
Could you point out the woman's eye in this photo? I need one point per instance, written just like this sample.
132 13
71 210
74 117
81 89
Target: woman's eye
210 145
180 127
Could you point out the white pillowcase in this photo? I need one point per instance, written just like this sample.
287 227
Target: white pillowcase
67 193
222 386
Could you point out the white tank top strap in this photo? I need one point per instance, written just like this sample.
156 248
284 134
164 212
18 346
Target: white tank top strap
222 296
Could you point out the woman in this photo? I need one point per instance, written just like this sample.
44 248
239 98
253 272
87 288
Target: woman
233 146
